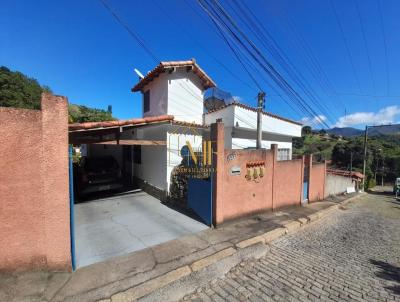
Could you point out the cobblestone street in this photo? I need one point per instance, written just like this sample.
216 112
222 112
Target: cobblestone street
352 255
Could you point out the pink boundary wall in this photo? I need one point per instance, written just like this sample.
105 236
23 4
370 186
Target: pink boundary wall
34 192
282 184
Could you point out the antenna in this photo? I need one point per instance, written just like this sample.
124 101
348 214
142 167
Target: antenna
139 73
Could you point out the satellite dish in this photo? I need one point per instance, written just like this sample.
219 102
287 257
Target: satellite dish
139 73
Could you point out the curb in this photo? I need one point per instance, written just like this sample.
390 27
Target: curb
151 285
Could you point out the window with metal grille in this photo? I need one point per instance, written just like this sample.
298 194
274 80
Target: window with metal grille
284 154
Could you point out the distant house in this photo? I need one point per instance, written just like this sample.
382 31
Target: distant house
173 100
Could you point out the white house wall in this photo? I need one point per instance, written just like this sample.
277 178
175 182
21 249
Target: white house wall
226 114
242 143
248 119
185 96
158 96
153 167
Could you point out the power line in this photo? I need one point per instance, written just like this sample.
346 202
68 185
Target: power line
208 52
278 54
365 45
257 55
315 66
345 43
385 45
236 53
131 32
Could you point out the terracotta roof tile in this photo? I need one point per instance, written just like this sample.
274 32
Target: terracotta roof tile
345 173
119 123
163 66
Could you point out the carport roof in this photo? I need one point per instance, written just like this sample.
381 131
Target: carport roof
77 127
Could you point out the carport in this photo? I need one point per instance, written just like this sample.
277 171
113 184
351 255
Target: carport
116 224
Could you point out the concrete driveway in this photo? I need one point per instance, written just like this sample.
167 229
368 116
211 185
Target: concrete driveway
118 225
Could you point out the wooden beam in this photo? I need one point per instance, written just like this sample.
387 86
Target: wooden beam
130 142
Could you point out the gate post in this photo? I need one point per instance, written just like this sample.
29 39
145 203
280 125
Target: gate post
274 150
218 147
309 163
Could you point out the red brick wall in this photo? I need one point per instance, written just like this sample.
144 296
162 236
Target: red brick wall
34 196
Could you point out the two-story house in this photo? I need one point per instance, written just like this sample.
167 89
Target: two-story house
176 89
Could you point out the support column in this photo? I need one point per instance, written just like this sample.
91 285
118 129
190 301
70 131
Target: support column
309 163
218 147
303 161
274 150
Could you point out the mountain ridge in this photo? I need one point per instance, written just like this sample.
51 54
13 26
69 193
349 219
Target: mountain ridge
373 131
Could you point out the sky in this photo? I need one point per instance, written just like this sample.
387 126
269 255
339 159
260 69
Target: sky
80 51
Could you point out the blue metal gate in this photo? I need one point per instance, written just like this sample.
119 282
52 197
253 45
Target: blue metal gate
71 208
305 185
200 198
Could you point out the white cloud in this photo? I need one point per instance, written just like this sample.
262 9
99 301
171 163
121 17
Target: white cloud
315 121
384 116
237 98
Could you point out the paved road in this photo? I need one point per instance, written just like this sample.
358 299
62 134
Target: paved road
353 255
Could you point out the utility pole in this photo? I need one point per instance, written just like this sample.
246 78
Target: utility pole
351 163
260 106
365 148
365 154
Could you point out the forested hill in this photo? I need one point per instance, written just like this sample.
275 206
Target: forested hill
375 131
383 153
19 91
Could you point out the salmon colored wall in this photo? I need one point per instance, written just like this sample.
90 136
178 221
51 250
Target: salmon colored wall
317 182
282 184
288 183
34 196
242 196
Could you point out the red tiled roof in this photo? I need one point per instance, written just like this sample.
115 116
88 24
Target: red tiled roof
345 173
255 110
164 66
133 122
189 124
119 123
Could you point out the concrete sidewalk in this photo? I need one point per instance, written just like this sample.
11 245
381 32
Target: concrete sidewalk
138 274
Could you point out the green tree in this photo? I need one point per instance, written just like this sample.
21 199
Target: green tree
82 114
306 130
19 91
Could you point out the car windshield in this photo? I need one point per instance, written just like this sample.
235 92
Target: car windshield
96 164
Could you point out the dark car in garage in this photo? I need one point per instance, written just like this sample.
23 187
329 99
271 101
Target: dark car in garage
97 174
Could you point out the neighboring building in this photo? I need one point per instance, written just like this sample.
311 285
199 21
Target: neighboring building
241 124
176 89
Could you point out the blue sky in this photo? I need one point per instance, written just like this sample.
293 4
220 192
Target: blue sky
80 51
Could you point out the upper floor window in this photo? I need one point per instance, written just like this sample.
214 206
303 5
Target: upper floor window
146 101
